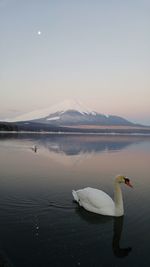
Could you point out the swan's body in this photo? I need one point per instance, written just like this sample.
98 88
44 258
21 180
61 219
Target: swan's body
97 201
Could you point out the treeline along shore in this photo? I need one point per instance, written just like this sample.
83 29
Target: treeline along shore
103 129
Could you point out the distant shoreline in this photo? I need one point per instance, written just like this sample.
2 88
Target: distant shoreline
39 128
77 133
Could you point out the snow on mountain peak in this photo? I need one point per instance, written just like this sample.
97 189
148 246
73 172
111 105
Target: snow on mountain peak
61 108
71 105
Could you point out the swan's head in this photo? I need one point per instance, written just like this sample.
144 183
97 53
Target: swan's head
123 179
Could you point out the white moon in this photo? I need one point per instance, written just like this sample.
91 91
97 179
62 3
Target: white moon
39 32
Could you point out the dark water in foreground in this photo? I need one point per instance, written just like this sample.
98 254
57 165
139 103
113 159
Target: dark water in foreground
40 225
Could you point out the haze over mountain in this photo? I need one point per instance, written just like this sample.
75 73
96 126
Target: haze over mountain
71 113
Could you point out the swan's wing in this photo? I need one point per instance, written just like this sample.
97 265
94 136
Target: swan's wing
96 199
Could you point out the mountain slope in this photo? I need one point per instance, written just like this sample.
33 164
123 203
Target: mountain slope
60 108
71 113
73 117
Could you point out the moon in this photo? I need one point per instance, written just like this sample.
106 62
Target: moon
39 32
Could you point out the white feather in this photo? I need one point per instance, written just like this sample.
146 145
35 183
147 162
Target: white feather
97 201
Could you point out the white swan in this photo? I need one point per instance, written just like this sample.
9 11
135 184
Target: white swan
97 201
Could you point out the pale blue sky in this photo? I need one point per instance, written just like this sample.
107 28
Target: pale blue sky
92 50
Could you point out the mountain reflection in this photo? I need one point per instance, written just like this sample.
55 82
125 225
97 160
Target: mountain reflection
93 218
75 145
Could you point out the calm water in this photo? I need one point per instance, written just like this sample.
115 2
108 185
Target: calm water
41 226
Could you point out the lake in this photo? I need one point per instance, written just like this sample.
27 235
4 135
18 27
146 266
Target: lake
41 225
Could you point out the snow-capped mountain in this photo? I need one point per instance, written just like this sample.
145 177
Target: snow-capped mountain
70 113
47 112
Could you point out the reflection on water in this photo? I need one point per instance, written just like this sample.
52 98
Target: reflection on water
76 144
118 228
92 218
40 225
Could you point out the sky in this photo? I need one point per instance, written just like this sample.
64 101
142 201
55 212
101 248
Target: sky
96 51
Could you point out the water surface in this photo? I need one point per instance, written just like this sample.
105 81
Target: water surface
41 226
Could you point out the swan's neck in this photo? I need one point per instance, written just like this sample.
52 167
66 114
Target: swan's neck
119 210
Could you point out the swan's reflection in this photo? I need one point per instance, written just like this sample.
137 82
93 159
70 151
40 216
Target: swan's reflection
118 227
93 218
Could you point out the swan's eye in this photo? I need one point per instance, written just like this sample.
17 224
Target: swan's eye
126 180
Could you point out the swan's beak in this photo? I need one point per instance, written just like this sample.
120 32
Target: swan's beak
129 184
